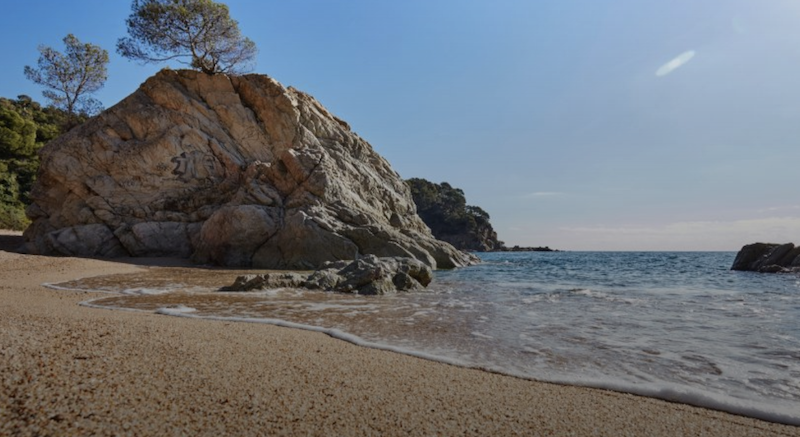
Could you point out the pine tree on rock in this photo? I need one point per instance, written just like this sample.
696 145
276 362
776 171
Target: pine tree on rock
71 76
198 33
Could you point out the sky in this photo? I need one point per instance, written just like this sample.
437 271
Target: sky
576 124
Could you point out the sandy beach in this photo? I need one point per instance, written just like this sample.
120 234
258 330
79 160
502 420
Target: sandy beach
71 370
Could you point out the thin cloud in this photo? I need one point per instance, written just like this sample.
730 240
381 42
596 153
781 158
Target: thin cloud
540 194
676 63
781 208
698 235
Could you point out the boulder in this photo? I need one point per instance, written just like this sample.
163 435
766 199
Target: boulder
768 258
373 275
228 170
92 240
367 275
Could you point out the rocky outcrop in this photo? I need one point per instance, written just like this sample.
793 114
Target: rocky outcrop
526 249
234 171
444 209
768 258
367 275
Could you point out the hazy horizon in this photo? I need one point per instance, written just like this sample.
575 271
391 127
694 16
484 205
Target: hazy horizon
576 125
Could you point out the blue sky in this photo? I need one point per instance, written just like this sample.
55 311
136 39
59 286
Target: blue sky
577 124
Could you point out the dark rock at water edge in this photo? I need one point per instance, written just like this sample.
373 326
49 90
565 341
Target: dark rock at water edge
768 258
367 275
226 170
526 249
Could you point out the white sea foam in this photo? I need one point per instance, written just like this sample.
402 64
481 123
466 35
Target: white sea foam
268 292
335 333
76 288
698 335
144 291
175 310
91 304
769 411
773 412
340 306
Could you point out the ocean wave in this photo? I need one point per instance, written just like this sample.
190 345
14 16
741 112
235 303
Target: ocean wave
707 337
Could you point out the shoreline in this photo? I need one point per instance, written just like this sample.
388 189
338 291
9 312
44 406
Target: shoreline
680 396
71 369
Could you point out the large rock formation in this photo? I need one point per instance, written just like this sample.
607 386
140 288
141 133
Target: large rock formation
235 171
367 275
768 258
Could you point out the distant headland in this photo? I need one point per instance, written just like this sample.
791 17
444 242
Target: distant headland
444 209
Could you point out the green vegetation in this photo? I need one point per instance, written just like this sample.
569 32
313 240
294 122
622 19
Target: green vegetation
159 30
25 126
71 76
444 209
199 33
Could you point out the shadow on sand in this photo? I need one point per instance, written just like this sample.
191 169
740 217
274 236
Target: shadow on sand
14 243
11 243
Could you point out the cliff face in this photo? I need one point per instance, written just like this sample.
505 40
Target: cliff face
236 171
481 239
444 209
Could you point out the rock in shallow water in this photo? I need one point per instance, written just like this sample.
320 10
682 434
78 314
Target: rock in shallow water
768 258
227 170
367 275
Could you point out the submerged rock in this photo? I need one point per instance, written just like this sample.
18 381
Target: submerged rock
227 170
367 275
267 281
768 258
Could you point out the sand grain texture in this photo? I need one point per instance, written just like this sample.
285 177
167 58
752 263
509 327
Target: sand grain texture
71 370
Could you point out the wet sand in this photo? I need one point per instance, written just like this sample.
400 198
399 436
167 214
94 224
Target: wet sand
72 370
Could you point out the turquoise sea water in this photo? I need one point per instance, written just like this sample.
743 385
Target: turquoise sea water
671 325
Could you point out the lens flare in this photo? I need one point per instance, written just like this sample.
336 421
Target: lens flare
676 63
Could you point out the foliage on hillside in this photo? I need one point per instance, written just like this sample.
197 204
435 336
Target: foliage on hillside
444 209
25 126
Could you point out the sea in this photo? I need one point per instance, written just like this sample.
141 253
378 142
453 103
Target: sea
678 326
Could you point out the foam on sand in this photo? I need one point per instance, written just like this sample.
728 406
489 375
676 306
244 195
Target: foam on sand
759 410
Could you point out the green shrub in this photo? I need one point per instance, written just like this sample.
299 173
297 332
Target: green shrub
25 127
13 217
